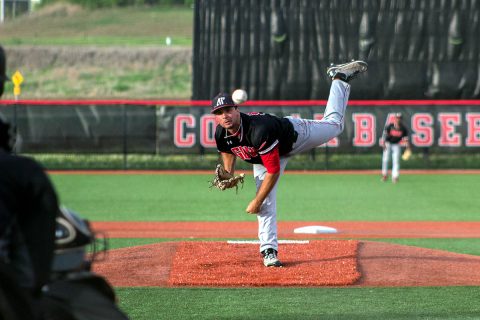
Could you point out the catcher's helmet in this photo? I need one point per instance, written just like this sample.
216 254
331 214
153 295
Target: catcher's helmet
72 236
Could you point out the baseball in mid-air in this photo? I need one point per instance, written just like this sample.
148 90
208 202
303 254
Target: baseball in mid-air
239 96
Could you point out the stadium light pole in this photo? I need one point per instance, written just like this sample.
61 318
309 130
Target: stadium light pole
2 9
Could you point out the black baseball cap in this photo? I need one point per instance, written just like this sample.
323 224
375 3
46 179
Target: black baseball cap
222 100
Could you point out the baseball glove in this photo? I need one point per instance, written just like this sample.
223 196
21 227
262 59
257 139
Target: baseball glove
406 154
225 180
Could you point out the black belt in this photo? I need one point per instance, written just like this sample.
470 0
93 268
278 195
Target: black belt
295 136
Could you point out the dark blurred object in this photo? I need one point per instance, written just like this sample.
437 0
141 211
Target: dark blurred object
75 292
5 134
3 67
28 208
15 303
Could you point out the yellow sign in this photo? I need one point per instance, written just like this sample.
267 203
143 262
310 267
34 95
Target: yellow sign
16 90
17 78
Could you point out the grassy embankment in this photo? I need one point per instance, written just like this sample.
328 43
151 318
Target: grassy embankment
142 71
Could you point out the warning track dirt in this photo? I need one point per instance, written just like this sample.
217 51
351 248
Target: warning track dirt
248 229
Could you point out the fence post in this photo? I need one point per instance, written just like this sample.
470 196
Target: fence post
125 127
15 125
326 155
2 9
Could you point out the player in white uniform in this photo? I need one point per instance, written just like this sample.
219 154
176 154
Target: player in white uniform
268 142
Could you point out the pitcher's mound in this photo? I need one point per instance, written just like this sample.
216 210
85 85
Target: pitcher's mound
317 263
219 264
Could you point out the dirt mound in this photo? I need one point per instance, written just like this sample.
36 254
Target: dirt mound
385 264
316 263
375 264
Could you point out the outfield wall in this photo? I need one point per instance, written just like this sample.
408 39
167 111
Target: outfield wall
280 49
167 127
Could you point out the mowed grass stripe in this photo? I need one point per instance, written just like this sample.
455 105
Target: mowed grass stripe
307 303
334 197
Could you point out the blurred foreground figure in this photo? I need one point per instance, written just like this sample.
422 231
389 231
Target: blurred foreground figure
28 208
44 269
3 68
75 292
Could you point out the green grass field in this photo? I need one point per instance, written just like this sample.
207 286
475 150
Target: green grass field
301 197
66 24
65 30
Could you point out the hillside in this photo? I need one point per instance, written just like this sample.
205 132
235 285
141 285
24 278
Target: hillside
98 72
64 51
66 24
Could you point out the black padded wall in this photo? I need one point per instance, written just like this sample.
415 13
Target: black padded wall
280 49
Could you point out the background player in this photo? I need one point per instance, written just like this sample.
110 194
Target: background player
268 142
393 134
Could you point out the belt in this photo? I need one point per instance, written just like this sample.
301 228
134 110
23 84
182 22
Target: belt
295 136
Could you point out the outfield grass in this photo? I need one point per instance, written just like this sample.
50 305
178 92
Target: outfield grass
301 197
63 24
307 303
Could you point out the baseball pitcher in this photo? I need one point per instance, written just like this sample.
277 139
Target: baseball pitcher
268 142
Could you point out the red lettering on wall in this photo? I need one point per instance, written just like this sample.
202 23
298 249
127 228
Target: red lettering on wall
182 139
207 131
364 129
448 136
473 129
332 142
422 130
389 119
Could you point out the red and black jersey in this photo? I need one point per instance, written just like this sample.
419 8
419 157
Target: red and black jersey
395 135
259 137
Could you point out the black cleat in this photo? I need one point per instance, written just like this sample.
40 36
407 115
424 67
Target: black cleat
270 258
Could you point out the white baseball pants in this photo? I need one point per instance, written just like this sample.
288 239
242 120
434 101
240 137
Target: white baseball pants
311 134
395 150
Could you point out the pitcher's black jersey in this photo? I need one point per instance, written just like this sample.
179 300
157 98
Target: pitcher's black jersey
259 133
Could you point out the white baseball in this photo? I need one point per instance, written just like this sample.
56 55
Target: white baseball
239 96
